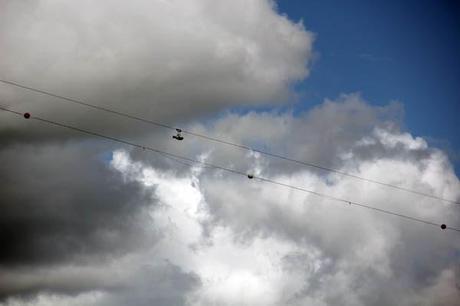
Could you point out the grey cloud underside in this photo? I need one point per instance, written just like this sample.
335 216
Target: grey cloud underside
320 136
158 285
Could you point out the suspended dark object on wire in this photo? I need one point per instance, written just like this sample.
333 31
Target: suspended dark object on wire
178 136
26 115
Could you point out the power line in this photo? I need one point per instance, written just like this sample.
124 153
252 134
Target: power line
237 172
237 145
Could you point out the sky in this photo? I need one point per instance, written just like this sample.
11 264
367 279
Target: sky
365 89
405 51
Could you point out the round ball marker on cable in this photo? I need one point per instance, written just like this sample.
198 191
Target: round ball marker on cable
443 226
27 115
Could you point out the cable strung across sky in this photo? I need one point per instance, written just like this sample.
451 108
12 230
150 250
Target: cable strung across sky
237 145
237 172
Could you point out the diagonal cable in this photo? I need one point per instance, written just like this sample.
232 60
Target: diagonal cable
267 180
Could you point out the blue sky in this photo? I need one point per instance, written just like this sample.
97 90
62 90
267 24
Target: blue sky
388 50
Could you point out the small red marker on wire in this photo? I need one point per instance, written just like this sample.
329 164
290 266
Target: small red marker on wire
26 115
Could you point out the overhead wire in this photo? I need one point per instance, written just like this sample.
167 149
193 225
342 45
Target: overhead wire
237 172
221 141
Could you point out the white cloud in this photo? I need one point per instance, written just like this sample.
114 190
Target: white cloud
168 60
272 246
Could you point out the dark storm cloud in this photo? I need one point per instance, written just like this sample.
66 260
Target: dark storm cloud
63 204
